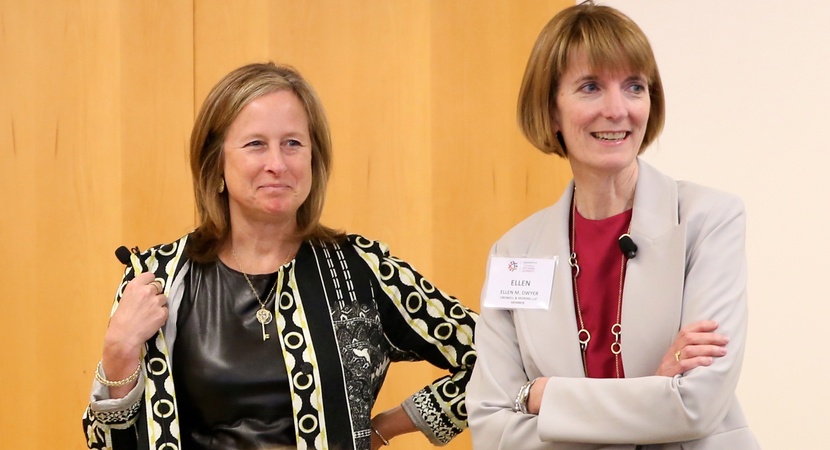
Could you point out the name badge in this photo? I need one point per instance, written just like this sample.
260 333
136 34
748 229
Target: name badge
520 283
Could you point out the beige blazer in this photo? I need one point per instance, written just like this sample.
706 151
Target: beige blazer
691 265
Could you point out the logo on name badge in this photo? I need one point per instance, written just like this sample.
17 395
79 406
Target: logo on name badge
525 266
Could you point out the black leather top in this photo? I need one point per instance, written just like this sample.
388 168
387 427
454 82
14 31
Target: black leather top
232 388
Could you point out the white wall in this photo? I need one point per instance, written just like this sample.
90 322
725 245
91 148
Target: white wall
749 112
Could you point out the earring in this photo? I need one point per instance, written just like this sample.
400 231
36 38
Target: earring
221 185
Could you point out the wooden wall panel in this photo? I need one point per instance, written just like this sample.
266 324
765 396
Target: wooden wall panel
89 107
157 100
60 160
96 104
227 35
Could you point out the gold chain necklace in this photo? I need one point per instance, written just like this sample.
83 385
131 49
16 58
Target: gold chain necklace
263 316
583 335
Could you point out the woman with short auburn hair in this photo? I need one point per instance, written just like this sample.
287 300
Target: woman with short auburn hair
617 317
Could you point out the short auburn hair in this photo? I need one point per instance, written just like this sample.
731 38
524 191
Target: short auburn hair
610 40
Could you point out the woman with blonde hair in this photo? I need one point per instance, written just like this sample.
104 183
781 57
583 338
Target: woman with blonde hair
263 328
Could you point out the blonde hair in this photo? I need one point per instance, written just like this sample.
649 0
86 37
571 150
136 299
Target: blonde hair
221 107
609 40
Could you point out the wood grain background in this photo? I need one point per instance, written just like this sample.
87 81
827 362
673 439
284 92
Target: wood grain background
97 98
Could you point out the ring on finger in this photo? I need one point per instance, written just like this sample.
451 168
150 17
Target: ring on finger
677 356
157 284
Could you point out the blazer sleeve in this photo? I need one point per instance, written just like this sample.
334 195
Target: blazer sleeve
646 410
496 379
422 323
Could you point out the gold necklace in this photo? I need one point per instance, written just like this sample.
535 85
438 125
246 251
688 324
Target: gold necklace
583 335
263 316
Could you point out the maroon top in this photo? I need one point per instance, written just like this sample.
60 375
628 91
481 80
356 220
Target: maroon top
599 258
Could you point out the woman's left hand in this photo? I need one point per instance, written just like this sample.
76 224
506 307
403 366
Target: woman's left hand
696 345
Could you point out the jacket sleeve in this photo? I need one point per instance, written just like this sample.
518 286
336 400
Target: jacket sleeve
423 323
495 382
110 423
579 412
120 424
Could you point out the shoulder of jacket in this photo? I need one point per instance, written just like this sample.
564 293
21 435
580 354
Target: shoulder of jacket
164 259
695 198
368 245
517 237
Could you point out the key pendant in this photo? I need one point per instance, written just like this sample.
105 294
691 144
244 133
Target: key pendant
264 317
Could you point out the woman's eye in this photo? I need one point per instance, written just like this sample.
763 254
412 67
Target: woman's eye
255 144
293 143
638 88
589 87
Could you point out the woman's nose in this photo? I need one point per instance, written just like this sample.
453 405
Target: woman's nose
275 160
614 105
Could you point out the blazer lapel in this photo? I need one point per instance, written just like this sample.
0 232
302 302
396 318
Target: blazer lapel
653 292
553 332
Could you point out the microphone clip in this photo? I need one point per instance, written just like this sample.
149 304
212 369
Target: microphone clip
627 246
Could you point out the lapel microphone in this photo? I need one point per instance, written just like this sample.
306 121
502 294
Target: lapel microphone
123 255
627 246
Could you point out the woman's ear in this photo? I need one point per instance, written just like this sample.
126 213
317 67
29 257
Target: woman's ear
554 121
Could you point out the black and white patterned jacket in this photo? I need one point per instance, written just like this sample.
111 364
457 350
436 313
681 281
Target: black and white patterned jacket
380 310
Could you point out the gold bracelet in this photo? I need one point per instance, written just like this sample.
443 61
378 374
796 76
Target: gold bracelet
99 370
383 439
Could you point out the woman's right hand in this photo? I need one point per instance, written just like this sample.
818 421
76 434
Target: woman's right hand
695 345
140 313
